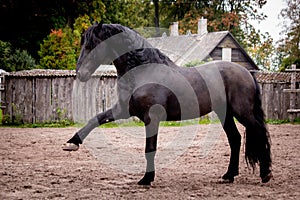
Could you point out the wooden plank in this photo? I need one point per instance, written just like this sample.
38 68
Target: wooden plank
238 56
227 43
43 99
293 110
69 101
292 90
277 98
292 70
28 115
75 100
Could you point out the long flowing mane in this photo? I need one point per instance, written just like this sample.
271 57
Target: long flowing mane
141 51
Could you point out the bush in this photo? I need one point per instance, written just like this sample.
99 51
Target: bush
194 63
14 59
287 62
57 51
61 48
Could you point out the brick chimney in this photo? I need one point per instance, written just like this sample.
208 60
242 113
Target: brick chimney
202 26
174 29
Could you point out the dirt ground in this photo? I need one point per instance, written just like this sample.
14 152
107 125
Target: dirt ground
33 165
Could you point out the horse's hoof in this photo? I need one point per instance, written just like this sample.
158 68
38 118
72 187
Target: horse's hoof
228 177
267 178
144 182
227 180
70 147
147 179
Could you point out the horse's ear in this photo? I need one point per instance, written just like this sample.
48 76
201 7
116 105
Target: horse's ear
99 26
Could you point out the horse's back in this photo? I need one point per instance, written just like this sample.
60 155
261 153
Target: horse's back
231 73
239 85
223 83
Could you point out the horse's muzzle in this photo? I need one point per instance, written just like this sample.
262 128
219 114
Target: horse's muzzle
83 77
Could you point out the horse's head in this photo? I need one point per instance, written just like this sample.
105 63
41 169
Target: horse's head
95 50
104 43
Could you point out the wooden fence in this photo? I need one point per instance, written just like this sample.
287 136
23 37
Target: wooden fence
38 99
275 102
43 96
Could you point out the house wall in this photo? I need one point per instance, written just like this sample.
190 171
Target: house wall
237 55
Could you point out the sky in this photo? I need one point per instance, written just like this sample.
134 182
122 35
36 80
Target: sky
272 23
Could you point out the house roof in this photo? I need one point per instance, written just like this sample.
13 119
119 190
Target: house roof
185 48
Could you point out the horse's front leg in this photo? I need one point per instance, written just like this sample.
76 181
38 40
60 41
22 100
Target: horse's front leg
150 151
101 118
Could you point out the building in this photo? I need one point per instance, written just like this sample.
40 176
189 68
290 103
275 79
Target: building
203 46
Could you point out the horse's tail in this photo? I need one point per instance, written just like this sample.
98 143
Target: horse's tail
258 144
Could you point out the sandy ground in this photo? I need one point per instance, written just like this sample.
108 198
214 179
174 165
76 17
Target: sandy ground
33 166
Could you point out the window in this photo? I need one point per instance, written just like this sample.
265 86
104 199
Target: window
226 54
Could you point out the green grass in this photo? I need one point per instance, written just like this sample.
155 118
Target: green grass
272 121
1 117
54 124
163 124
132 123
124 124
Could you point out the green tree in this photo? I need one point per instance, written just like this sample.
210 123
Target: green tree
14 59
131 13
26 23
231 15
289 47
262 51
56 50
60 49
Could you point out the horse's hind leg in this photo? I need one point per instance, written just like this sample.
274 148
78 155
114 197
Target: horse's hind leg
258 147
150 151
234 139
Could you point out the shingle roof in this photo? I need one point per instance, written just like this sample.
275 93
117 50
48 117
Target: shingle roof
185 48
275 77
103 70
110 71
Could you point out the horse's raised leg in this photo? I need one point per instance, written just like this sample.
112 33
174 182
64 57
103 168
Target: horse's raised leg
150 151
234 139
101 118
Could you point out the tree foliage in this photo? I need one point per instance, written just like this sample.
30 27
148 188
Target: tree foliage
57 50
289 46
53 27
14 59
60 49
231 15
262 50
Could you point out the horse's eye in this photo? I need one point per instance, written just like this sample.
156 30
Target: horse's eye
82 40
88 47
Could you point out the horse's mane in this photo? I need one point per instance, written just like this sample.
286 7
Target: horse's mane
139 56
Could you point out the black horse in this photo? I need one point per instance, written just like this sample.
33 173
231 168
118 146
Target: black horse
153 88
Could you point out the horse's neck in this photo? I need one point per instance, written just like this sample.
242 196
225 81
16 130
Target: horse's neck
141 57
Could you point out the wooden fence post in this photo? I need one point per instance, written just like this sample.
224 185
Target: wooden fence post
2 76
293 110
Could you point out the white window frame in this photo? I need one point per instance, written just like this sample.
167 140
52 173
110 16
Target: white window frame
226 54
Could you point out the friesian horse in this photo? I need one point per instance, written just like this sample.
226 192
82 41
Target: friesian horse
153 88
